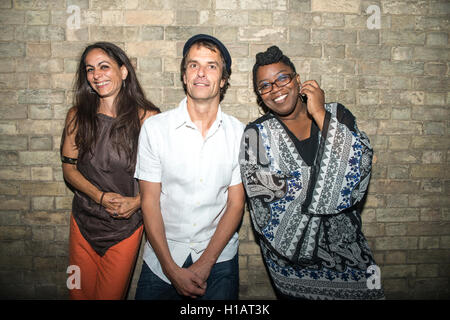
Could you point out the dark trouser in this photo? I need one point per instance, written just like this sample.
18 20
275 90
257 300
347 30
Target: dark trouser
222 283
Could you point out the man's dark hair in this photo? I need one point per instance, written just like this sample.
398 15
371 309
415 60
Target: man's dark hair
213 47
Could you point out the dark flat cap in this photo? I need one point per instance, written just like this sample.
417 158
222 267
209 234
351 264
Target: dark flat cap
225 54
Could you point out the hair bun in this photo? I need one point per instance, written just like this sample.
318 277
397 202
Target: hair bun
272 54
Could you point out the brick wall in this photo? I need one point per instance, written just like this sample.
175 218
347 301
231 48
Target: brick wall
392 73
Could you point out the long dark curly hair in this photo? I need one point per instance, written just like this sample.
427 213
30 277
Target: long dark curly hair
270 56
131 98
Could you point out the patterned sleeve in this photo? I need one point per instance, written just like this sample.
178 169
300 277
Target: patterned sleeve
254 166
343 164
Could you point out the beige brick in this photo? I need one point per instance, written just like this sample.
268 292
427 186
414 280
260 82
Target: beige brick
63 202
373 229
40 233
399 271
112 17
351 6
187 17
367 97
42 203
16 203
227 18
429 243
46 218
227 4
52 127
430 142
12 49
397 127
430 214
299 50
398 172
42 174
399 142
433 157
154 49
37 17
277 34
149 17
9 158
114 34
430 54
8 128
428 270
41 143
12 16
333 36
444 242
260 18
67 49
429 171
40 112
108 4
43 188
249 248
429 201
436 98
428 256
435 68
395 257
396 243
413 156
429 228
14 232
368 51
9 142
397 214
38 50
14 173
39 80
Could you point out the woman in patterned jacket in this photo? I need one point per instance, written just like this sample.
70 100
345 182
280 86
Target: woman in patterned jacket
306 168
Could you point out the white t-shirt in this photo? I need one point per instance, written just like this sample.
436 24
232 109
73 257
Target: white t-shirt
195 174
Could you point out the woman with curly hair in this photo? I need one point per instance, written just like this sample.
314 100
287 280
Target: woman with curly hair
306 168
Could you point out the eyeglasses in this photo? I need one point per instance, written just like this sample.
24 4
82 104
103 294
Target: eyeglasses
282 80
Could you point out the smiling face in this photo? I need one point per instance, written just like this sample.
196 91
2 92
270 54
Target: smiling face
283 101
104 74
203 75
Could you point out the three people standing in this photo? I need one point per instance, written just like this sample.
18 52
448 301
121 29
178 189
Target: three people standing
304 164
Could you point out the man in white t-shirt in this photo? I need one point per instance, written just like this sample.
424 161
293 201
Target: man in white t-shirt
190 183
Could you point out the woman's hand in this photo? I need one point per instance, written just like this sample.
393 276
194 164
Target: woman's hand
316 101
120 207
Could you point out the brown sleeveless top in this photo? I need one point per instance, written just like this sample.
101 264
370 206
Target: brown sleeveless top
106 170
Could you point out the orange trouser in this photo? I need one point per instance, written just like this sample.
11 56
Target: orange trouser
102 277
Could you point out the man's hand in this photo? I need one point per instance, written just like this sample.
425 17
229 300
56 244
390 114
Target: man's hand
202 270
187 283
